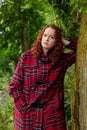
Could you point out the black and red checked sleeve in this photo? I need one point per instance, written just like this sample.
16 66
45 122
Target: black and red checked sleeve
15 87
69 58
72 45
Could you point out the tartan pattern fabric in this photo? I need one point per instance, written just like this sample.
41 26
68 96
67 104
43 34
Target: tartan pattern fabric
38 91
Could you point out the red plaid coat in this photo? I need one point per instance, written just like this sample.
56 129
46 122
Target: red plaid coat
38 91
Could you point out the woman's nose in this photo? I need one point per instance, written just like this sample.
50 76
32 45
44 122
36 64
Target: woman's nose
47 38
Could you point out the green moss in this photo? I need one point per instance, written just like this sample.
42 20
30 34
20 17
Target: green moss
77 99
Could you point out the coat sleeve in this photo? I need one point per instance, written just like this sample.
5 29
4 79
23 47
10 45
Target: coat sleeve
70 57
15 87
72 45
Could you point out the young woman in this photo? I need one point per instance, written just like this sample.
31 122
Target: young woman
38 82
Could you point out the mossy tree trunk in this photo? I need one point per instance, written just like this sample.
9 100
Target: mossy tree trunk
79 91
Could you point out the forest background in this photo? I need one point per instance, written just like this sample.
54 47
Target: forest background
20 22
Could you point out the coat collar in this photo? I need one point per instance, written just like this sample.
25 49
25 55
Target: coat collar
45 58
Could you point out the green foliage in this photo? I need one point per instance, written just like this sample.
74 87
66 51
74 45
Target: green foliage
6 107
6 64
20 22
68 84
6 114
68 16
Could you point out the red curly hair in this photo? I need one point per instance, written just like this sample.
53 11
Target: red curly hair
56 52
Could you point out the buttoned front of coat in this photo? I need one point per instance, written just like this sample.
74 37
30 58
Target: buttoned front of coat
38 91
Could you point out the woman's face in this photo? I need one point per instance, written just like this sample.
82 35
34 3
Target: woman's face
48 39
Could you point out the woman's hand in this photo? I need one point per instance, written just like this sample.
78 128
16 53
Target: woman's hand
65 42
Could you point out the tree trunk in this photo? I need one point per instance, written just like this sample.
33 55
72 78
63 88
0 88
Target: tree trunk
22 27
23 38
79 91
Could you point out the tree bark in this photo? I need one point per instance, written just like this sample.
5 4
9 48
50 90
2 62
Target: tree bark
79 91
22 27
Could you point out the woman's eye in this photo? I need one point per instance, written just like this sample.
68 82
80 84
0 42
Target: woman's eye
52 37
45 35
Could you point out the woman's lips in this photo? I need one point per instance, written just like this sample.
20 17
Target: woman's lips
46 43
